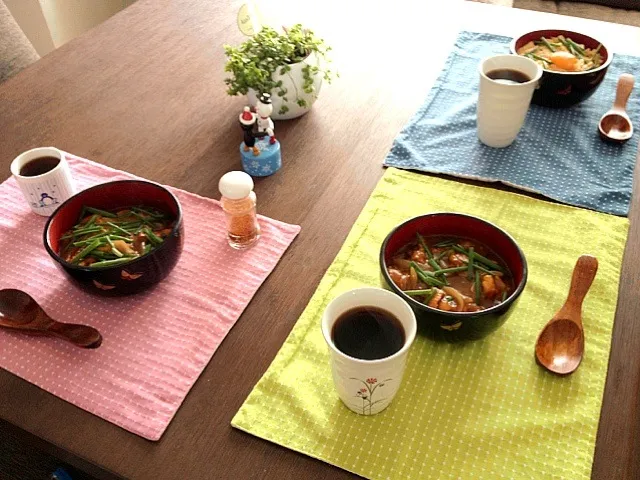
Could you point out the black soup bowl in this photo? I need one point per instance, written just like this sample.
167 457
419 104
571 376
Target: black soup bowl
132 277
447 325
565 89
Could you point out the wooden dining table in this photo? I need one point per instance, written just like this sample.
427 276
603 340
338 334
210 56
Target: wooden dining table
144 92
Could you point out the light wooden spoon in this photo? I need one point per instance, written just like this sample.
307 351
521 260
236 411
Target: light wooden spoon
560 345
615 125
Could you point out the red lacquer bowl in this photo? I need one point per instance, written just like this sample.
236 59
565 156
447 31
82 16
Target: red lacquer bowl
137 275
564 89
457 326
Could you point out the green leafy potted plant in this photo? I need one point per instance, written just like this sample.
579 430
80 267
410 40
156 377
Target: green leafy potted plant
287 65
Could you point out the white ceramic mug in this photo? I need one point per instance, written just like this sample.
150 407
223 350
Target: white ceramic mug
368 386
45 192
503 107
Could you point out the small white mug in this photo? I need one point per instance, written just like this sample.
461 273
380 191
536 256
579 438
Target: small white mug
502 107
368 386
44 192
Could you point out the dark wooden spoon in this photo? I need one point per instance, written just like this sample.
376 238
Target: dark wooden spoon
560 345
21 313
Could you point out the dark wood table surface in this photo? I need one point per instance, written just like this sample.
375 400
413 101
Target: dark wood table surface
144 93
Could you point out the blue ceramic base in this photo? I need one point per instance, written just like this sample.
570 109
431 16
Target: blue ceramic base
266 163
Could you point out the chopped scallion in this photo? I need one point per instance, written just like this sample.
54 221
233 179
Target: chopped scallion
102 213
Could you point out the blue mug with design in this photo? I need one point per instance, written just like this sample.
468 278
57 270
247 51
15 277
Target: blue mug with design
44 178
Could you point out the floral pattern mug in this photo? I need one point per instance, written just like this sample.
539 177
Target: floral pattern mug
368 386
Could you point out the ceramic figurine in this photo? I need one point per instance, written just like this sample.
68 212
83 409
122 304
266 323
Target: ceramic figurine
260 151
264 109
247 122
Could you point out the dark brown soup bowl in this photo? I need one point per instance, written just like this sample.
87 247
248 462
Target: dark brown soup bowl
457 326
564 89
137 275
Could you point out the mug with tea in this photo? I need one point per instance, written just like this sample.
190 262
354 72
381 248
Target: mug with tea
44 177
369 332
507 83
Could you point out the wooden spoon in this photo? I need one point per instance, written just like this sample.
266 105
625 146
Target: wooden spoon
20 312
615 125
560 345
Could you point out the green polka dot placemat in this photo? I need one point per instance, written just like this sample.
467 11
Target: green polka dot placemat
480 410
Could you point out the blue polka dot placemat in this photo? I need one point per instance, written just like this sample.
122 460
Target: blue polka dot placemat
558 153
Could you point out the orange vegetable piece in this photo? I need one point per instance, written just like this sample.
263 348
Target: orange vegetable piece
458 259
448 304
435 300
418 255
399 278
489 286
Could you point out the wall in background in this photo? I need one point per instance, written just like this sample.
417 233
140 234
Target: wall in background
69 18
49 24
29 15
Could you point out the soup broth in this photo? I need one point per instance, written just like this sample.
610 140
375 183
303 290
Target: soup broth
562 54
103 239
451 273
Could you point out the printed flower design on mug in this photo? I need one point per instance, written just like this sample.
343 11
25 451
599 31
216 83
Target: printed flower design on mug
366 393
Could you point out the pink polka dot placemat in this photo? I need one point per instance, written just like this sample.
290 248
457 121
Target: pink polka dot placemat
156 343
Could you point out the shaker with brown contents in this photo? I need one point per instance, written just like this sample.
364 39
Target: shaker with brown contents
239 205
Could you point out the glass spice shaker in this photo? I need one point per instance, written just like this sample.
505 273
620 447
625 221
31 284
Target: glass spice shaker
239 205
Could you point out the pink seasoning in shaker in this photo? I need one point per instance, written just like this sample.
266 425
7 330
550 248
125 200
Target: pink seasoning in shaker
239 205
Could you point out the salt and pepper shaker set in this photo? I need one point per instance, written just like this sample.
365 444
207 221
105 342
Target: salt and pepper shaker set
260 154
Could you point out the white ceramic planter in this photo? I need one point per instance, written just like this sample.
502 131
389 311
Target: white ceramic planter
292 82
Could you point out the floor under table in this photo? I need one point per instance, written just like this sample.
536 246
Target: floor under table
20 461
